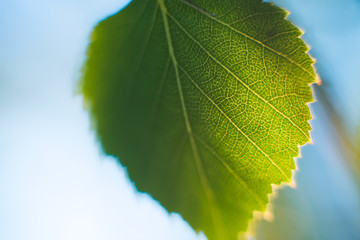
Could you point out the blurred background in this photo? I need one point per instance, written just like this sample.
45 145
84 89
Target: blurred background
55 183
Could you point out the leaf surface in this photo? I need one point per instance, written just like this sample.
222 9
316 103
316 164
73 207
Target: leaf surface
204 102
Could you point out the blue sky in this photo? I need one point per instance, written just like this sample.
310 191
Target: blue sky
56 184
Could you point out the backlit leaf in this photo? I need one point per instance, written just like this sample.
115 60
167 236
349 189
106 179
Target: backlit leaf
204 102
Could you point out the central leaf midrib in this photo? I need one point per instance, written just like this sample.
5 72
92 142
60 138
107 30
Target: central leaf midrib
203 179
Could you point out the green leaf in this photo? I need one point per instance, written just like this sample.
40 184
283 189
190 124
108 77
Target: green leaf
204 102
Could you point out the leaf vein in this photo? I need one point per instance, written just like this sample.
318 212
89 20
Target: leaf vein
203 179
237 127
256 41
233 74
231 171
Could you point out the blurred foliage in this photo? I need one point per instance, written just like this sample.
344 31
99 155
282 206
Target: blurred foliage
349 141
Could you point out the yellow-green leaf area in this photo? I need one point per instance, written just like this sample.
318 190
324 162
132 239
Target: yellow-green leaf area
204 102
